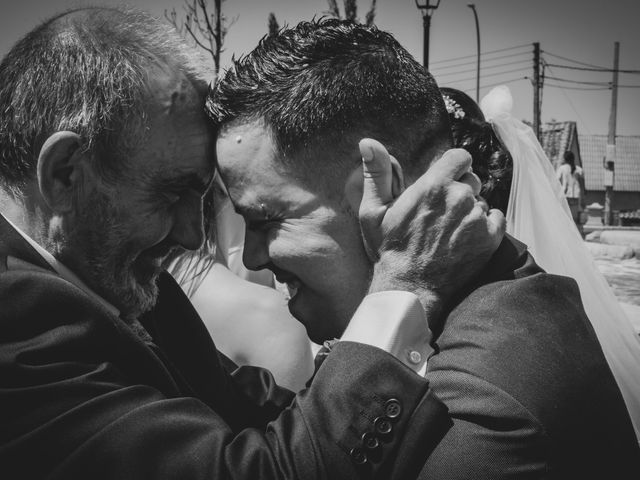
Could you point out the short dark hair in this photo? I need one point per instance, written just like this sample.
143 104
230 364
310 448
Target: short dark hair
323 85
84 70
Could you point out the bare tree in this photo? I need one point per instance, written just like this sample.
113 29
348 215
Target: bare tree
273 24
351 11
371 14
207 28
333 8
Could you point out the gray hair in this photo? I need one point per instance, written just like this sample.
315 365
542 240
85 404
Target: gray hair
85 70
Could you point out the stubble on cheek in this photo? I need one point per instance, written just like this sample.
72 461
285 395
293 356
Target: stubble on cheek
102 235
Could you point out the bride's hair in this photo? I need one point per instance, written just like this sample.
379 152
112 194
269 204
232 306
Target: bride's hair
491 161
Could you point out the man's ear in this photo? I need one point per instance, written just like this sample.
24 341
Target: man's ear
59 170
353 186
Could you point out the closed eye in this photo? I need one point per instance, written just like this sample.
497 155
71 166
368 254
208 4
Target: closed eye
172 197
264 225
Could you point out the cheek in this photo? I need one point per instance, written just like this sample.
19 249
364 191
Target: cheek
335 248
302 241
157 226
148 228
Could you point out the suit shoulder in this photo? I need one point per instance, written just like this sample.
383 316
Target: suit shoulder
36 301
539 305
520 334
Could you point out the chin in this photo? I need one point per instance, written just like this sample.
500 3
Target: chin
320 322
132 296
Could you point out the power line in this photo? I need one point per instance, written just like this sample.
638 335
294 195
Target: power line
576 88
489 75
481 53
580 82
564 92
503 82
489 67
464 64
606 70
574 61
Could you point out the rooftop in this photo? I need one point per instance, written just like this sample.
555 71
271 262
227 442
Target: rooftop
627 166
557 137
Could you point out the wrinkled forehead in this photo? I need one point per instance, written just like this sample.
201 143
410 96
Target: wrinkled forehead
170 89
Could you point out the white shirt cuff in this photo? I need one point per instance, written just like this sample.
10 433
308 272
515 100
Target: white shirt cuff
395 322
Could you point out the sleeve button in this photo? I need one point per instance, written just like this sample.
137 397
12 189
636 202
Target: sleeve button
370 441
414 357
392 408
382 425
358 456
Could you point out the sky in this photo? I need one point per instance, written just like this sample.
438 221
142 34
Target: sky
571 33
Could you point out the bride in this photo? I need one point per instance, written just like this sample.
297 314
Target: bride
519 179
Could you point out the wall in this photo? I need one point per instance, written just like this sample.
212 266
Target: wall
621 200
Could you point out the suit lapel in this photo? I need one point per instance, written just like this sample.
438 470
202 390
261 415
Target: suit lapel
179 332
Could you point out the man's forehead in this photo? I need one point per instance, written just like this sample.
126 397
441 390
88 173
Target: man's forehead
245 154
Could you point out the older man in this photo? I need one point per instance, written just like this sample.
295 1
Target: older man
517 362
105 369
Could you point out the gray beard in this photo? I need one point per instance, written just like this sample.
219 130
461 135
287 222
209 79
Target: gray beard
96 246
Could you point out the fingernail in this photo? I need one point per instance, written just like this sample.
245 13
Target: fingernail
367 155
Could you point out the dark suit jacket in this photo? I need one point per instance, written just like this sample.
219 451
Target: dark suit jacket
526 383
82 396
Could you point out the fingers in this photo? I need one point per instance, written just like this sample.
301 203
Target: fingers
483 204
497 226
473 181
452 165
449 168
377 193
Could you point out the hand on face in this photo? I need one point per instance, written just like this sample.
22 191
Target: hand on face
436 236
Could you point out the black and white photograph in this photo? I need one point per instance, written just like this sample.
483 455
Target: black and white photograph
319 239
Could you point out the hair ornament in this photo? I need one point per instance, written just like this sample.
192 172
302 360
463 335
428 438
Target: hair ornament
453 108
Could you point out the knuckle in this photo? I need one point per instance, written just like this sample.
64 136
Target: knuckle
461 196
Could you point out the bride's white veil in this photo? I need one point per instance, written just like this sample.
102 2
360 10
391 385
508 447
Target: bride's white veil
538 215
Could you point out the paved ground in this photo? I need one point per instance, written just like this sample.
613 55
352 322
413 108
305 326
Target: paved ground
624 278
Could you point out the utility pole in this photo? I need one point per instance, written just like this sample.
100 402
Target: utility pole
536 89
610 159
475 15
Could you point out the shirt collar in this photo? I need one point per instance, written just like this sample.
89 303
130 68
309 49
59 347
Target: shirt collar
57 267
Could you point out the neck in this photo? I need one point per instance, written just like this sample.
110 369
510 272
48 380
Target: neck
28 215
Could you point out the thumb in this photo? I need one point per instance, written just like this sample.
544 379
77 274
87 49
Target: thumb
377 192
377 172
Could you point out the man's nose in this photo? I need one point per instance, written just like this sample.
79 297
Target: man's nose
255 254
188 227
